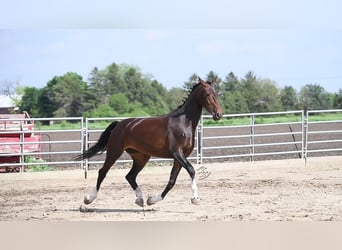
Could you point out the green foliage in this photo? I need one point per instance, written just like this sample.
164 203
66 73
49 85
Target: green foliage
39 166
234 103
238 121
119 102
193 79
128 91
124 90
104 110
288 98
314 97
175 97
249 94
30 101
337 100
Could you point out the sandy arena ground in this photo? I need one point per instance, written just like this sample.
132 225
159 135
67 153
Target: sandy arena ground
262 191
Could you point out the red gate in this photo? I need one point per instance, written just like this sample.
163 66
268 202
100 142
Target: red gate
17 137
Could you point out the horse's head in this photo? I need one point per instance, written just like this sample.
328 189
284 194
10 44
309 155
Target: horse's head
209 99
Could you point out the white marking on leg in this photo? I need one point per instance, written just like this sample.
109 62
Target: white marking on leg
139 200
194 189
91 196
154 199
195 197
138 192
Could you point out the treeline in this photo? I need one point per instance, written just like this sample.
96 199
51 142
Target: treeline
117 90
253 94
124 90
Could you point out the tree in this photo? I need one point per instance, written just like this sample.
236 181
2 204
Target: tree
47 105
30 101
231 83
134 83
233 99
269 96
104 110
314 96
175 98
119 103
113 82
251 91
193 79
9 88
96 86
214 76
65 96
288 98
13 90
338 100
234 103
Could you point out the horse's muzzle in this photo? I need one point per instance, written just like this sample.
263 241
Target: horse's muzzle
217 116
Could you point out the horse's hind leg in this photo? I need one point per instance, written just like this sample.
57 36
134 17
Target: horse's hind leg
110 160
139 161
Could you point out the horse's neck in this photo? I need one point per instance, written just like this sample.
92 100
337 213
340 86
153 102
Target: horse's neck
193 111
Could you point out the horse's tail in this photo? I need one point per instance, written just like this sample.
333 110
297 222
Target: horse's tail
100 145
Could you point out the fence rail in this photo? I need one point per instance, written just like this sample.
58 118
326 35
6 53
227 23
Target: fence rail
248 137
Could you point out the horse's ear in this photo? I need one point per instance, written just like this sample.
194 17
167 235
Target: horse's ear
200 80
213 81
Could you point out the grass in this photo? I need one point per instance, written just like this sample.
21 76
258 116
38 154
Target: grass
239 121
326 117
38 167
269 119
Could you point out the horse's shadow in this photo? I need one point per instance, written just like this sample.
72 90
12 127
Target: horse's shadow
83 209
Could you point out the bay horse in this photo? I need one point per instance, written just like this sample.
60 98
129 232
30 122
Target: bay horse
167 136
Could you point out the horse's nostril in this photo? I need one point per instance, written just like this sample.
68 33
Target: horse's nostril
217 116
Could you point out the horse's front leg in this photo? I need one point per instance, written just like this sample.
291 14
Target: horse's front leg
173 177
180 161
191 171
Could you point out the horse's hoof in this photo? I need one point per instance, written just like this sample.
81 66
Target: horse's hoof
149 201
139 202
195 201
87 200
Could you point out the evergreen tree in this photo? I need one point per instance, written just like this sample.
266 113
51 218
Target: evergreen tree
193 79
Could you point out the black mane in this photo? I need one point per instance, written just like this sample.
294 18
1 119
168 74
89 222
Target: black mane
189 93
179 110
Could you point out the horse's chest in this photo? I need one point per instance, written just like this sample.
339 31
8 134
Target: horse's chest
181 134
184 137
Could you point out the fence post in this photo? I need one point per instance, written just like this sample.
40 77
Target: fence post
306 128
199 141
22 157
85 147
251 140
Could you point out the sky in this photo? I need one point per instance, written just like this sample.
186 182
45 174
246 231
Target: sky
293 43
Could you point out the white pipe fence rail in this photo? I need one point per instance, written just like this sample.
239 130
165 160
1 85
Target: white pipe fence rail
248 137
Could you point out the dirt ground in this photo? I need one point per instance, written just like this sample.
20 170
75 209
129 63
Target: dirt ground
262 191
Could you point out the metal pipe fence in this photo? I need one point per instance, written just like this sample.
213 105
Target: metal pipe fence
237 137
324 137
41 146
253 136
